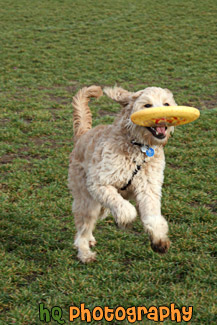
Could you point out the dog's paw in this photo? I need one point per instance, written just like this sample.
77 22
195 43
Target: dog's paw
162 246
92 242
125 214
87 257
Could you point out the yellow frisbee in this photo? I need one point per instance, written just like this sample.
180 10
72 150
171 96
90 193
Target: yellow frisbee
166 115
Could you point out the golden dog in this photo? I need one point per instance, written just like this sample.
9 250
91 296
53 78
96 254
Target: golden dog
113 163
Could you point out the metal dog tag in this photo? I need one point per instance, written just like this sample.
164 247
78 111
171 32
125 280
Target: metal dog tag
144 148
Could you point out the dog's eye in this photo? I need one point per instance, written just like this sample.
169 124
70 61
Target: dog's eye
166 104
147 105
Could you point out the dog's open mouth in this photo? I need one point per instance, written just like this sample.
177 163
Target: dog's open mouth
158 132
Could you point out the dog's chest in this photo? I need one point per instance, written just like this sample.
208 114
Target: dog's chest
134 167
141 169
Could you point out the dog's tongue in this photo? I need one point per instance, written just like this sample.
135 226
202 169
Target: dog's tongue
161 129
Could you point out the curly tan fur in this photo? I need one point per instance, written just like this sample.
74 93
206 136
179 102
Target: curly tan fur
103 161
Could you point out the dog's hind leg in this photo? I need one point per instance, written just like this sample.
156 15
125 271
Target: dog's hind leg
85 214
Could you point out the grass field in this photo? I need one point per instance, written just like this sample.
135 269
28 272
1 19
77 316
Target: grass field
49 49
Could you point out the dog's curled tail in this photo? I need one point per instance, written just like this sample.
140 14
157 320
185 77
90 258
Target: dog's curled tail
82 117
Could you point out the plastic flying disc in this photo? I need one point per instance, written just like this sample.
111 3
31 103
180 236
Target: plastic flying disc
166 115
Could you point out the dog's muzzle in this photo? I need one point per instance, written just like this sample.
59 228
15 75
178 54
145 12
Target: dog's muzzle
158 132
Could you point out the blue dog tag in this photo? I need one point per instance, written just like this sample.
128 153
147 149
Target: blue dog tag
150 152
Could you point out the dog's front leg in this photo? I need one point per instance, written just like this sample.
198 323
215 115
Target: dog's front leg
149 204
108 196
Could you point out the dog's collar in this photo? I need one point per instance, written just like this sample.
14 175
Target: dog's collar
149 151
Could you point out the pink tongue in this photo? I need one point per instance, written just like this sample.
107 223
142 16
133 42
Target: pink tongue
161 129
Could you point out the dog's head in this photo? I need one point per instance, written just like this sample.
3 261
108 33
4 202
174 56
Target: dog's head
140 100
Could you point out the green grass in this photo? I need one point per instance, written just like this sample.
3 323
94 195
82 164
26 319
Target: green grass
49 49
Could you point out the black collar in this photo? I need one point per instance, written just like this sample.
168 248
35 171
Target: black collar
136 143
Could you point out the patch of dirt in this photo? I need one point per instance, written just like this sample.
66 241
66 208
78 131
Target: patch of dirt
211 103
194 204
4 187
54 115
59 100
7 159
71 88
102 113
39 141
29 155
212 207
50 143
28 120
32 277
173 165
127 262
28 166
4 121
24 148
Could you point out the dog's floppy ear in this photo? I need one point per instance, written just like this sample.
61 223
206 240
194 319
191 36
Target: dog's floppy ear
136 94
121 95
